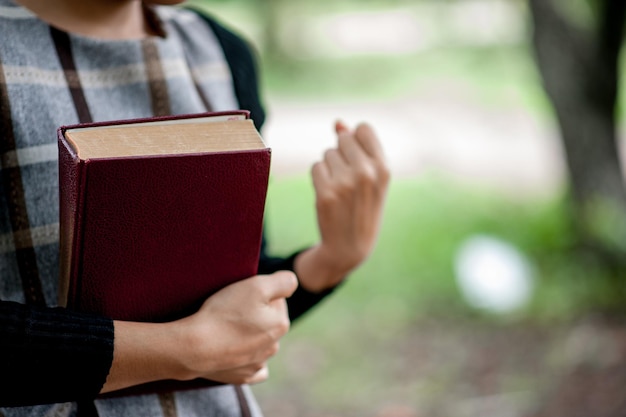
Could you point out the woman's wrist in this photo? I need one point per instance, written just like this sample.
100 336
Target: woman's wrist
318 270
146 352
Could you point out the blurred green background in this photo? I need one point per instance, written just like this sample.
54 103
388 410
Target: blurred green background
474 145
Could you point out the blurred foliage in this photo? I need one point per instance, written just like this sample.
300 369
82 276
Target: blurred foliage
584 13
499 74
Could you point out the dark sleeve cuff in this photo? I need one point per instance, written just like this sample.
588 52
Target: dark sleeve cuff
302 300
51 355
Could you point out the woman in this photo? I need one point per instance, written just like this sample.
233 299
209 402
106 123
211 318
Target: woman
69 61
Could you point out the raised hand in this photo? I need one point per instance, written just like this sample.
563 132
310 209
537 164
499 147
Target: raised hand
350 184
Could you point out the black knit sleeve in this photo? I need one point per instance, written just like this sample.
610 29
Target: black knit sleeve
51 355
302 300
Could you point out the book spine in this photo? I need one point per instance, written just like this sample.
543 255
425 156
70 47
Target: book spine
70 199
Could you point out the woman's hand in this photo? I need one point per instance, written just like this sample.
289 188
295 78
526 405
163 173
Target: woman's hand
238 329
350 187
229 339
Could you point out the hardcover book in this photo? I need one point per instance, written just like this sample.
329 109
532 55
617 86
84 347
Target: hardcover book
157 214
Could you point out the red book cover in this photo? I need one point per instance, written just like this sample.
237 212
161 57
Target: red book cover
152 227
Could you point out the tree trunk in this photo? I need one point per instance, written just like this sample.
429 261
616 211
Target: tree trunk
579 69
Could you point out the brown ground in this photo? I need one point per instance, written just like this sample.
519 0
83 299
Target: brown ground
463 368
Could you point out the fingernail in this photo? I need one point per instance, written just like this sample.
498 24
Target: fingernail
340 126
